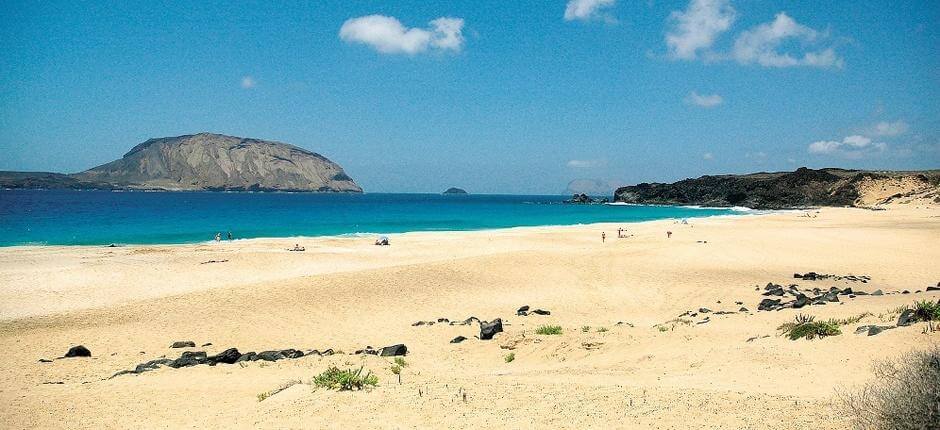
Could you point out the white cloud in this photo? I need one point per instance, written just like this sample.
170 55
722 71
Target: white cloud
248 82
885 128
708 156
697 27
586 10
387 35
761 45
705 101
854 146
584 164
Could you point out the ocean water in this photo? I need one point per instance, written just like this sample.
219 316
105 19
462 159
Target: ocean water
54 217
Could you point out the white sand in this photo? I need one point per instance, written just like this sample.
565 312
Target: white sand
128 304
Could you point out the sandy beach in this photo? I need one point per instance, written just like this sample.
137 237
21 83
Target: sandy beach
618 363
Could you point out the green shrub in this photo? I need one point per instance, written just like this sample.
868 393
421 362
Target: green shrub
602 329
510 357
548 329
400 361
344 380
806 327
926 310
585 329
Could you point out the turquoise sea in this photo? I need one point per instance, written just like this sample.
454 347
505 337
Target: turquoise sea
56 217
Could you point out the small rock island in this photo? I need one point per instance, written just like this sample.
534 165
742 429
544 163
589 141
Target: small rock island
453 190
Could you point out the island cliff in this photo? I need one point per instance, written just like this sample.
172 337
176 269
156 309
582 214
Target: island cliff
202 161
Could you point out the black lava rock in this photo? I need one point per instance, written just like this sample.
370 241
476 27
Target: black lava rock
541 312
906 318
523 311
183 344
394 350
458 339
229 356
77 351
489 329
271 355
189 358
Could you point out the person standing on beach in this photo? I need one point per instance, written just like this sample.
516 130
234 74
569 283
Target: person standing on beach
668 234
218 237
603 237
229 235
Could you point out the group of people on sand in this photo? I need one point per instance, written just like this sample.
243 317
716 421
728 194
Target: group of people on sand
218 236
621 234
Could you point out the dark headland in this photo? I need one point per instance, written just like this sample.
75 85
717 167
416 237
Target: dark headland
453 190
801 188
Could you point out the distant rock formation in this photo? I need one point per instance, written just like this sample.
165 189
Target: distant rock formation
453 190
202 161
801 188
585 199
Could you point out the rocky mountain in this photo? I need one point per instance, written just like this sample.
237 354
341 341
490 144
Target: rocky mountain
801 188
203 161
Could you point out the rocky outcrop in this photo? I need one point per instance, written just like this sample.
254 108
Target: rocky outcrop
453 190
801 188
202 161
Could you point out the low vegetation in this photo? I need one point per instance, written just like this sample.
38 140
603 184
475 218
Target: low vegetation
806 327
904 394
548 330
345 379
602 329
509 358
282 387
925 310
671 324
585 329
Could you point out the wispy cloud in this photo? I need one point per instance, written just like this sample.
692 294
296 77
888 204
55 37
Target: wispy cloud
584 164
761 45
697 27
387 35
708 156
854 146
248 82
886 128
705 101
588 10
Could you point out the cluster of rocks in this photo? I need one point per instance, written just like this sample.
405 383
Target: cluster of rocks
813 276
232 356
467 321
585 199
524 311
801 299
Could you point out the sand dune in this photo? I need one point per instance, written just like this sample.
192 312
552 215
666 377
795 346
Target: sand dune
127 305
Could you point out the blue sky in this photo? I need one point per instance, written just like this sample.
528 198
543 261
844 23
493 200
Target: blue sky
492 96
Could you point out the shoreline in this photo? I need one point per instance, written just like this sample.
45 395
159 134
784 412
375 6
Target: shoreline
741 213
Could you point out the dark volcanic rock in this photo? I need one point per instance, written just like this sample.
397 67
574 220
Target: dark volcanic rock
458 339
248 356
394 350
523 311
271 355
183 344
229 356
906 318
189 358
454 190
292 353
768 304
541 312
801 188
489 329
77 351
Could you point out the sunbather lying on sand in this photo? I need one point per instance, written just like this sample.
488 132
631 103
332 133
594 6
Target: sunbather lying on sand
297 247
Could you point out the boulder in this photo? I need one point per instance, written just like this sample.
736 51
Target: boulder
906 318
743 309
271 355
292 353
394 350
801 300
847 291
932 288
541 312
229 356
489 329
77 351
183 344
523 311
768 304
458 339
704 310
877 293
189 358
248 356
